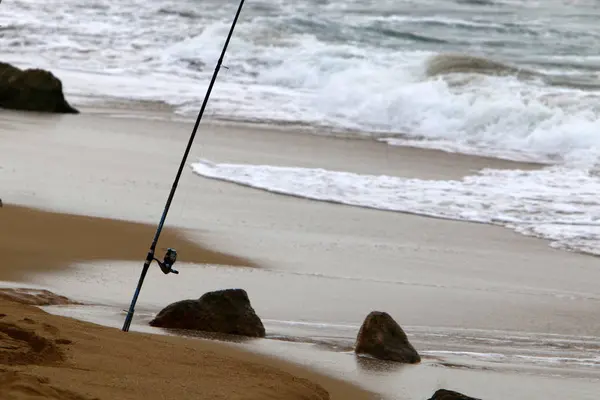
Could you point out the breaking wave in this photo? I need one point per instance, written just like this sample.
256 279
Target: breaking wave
482 77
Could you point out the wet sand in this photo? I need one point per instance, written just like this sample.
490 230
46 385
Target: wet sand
51 357
456 287
35 241
61 358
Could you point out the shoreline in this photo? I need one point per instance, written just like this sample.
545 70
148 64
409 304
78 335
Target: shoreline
157 110
31 241
123 108
82 360
408 160
94 165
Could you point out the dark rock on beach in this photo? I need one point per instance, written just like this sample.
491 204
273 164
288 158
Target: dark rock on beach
381 337
32 90
224 311
444 394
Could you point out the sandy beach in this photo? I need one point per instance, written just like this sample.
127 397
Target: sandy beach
53 357
493 312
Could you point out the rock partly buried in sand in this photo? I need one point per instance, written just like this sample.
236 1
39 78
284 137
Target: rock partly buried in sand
444 394
32 90
223 311
381 337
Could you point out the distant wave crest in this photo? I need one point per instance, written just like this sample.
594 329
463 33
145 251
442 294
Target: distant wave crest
442 64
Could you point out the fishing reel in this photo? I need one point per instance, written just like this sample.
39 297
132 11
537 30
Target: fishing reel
166 265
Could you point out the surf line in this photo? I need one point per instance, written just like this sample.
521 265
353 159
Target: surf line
170 257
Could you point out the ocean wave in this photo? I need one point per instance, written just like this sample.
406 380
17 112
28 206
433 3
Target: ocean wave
555 203
442 64
403 35
448 63
179 12
377 68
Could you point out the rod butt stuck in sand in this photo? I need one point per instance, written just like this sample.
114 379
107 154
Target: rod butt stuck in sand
171 255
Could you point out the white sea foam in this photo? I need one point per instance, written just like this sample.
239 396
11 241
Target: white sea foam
557 203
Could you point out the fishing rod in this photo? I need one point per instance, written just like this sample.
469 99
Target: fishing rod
170 257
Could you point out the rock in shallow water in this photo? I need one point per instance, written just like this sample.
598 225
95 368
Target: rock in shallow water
32 90
223 311
381 337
